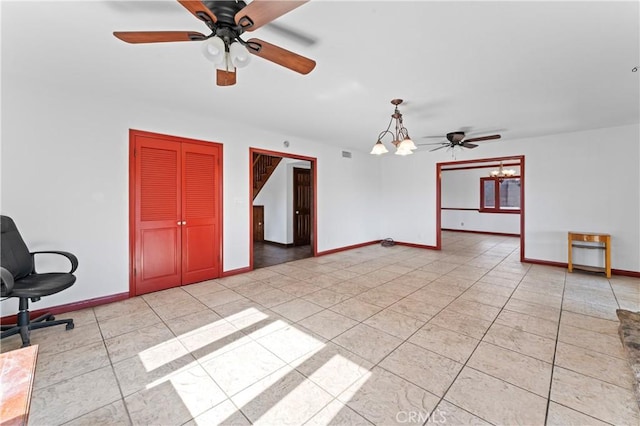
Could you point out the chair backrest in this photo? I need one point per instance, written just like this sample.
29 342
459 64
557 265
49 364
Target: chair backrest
14 254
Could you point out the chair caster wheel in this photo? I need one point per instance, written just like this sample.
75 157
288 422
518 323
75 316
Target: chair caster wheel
51 318
70 326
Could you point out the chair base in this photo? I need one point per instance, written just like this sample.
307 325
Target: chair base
24 327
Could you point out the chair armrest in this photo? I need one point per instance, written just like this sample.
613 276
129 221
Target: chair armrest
72 258
7 280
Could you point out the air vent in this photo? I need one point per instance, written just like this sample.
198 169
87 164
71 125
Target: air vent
346 154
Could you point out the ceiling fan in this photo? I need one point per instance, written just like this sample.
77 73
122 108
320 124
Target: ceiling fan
228 20
458 139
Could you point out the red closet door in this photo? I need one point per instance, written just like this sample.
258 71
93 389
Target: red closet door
158 246
200 212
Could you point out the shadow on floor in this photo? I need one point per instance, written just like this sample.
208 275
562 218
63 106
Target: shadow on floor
270 254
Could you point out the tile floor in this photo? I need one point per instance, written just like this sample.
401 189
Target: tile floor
375 335
266 254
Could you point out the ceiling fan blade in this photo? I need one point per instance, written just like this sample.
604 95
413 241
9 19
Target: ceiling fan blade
440 147
200 11
431 137
225 78
468 145
157 36
280 56
433 143
483 138
260 12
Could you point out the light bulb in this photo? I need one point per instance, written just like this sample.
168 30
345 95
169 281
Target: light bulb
213 49
240 56
407 144
379 149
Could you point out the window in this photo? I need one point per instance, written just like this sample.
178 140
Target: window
500 195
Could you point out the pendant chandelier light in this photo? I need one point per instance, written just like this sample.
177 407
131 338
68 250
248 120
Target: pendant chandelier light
502 173
400 138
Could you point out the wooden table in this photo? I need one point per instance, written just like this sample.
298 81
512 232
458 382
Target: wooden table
577 239
17 370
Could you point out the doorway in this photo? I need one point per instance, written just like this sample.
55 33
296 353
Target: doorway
283 207
175 217
452 207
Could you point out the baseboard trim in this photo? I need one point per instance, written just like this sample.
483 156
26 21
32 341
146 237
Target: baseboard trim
501 234
69 307
283 245
621 272
351 247
421 246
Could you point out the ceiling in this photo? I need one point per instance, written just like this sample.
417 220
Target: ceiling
522 69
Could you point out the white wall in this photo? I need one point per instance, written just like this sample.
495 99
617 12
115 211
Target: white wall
65 180
582 181
461 190
277 198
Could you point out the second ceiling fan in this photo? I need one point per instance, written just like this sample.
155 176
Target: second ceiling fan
228 20
458 139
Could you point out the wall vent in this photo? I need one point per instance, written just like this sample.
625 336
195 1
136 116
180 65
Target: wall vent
346 154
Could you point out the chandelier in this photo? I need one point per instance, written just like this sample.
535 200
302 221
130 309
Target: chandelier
400 138
502 172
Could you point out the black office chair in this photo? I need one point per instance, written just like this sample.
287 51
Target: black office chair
20 279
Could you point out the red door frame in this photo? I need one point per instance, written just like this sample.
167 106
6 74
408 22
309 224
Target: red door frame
314 199
132 189
519 158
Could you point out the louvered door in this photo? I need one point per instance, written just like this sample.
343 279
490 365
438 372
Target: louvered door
176 213
200 232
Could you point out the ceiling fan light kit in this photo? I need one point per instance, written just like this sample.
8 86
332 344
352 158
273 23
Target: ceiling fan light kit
228 20
400 138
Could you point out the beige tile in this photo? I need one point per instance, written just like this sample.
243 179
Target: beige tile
326 298
224 413
394 323
368 342
220 298
219 338
484 288
242 367
152 366
607 312
522 342
495 299
80 317
448 414
252 288
297 309
432 298
185 395
114 414
415 308
328 324
236 280
422 367
291 343
593 397
496 401
461 323
445 342
381 396
73 398
397 288
533 309
127 345
356 309
284 397
512 367
334 369
126 323
171 296
551 300
118 309
379 297
193 321
589 323
237 308
559 415
300 289
179 308
272 298
494 280
200 289
534 325
260 323
595 364
599 342
474 309
58 339
337 413
53 368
